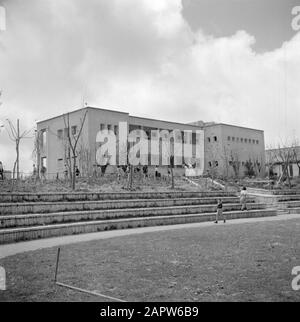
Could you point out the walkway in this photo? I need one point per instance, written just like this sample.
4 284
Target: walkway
12 249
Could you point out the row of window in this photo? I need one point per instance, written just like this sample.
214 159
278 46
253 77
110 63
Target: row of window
64 133
216 163
242 140
109 127
234 139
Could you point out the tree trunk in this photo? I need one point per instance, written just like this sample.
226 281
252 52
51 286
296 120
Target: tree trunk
74 172
172 178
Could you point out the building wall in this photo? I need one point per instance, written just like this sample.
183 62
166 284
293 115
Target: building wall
54 147
226 144
217 147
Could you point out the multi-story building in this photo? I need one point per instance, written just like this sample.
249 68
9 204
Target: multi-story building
233 151
219 149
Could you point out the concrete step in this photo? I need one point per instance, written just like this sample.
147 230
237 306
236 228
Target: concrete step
288 204
88 196
288 198
293 211
281 212
22 234
75 216
49 207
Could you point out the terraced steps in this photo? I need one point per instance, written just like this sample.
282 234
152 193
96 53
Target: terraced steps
75 216
90 196
47 231
48 207
32 216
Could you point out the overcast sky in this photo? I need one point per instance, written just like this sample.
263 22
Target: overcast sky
233 61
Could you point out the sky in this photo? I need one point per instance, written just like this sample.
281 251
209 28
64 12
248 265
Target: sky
233 61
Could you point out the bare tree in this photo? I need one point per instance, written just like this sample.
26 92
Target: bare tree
72 138
271 161
36 154
296 154
284 156
16 136
235 163
249 165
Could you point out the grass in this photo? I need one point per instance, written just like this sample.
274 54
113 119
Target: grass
107 183
244 262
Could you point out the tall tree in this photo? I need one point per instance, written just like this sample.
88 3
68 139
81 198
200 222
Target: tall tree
16 136
72 138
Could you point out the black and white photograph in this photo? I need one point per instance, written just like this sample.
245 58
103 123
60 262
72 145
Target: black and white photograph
149 154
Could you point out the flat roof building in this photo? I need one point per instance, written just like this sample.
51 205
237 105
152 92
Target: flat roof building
220 149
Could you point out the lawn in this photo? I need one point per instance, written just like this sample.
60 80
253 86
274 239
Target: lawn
243 262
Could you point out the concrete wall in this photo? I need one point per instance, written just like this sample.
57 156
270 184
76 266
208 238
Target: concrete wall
54 147
216 153
232 141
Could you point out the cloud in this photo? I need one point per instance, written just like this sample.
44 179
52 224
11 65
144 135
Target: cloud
143 58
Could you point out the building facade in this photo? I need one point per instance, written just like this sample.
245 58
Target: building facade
234 151
278 159
217 149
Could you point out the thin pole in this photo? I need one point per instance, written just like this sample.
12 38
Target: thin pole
56 268
88 292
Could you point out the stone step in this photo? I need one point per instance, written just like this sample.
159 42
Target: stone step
282 212
49 207
293 211
87 196
22 234
288 204
288 198
75 216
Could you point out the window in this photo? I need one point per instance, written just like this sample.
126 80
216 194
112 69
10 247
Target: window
109 126
215 139
257 142
233 139
44 138
242 140
216 163
44 162
246 140
228 138
74 130
208 139
102 126
253 141
60 134
210 164
116 129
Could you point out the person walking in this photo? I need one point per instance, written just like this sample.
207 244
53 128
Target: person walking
243 198
34 171
43 173
77 172
156 172
1 171
220 211
119 173
145 171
